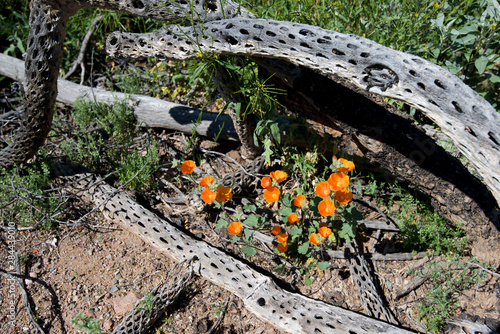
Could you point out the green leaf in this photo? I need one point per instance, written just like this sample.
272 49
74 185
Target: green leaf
348 231
221 223
287 200
237 109
295 230
248 234
248 250
236 238
249 207
284 212
303 248
352 214
494 78
279 267
481 64
275 131
253 220
323 265
308 280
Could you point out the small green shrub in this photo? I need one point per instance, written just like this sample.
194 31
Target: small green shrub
423 229
109 145
88 324
24 196
446 280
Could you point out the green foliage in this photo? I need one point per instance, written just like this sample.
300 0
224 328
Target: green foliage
88 324
147 303
110 145
423 229
24 195
446 280
13 27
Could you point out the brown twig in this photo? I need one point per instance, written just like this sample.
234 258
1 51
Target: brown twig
83 49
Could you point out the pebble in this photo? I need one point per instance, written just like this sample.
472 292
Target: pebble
113 289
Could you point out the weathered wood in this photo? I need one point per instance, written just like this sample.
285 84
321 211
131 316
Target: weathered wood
149 111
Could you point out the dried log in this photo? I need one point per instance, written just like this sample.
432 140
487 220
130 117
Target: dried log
288 311
149 111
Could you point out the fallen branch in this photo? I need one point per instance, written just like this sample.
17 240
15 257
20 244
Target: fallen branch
24 293
83 49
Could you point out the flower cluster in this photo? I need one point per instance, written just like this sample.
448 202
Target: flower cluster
212 191
334 191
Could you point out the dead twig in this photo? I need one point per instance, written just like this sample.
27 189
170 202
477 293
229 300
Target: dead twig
83 49
20 284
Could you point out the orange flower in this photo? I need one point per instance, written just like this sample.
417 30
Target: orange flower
338 181
187 167
265 182
348 165
271 194
207 181
326 207
224 193
282 237
235 228
313 238
324 231
278 175
299 200
208 196
276 230
282 247
343 196
323 189
292 218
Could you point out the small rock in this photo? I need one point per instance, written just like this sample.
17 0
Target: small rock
113 289
125 304
107 324
119 276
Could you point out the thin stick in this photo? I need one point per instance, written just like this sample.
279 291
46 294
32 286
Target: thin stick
20 283
83 49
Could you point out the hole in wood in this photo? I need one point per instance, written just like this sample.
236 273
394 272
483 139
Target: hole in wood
439 84
421 86
244 32
231 40
210 5
261 302
457 106
469 130
137 4
492 137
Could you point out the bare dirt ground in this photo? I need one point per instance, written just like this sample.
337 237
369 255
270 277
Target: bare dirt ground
102 271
